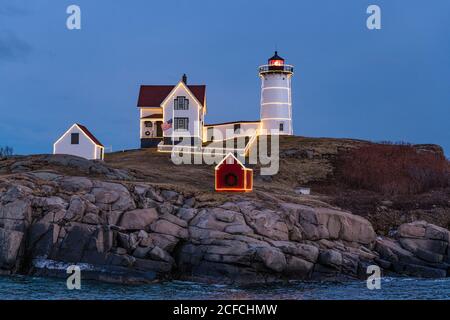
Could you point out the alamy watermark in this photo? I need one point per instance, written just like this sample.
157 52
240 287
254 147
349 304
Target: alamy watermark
250 146
374 20
374 278
73 21
74 280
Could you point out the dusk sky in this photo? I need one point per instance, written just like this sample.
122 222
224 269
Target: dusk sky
389 84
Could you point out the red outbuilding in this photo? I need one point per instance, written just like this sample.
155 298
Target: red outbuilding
232 175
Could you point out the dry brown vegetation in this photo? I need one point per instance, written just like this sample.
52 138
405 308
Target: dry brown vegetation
393 169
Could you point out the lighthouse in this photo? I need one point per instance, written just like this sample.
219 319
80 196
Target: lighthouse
276 102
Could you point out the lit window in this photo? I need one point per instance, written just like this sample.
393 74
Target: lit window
276 62
210 133
181 123
181 103
75 138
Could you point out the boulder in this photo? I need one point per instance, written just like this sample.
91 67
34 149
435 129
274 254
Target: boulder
420 250
189 203
331 258
169 195
75 184
122 260
298 267
422 271
113 217
168 228
10 243
174 220
105 196
74 243
76 209
186 213
15 192
435 246
138 219
141 252
437 233
325 223
92 218
412 230
42 237
159 254
127 241
164 241
305 251
112 196
268 223
272 258
152 265
238 229
223 215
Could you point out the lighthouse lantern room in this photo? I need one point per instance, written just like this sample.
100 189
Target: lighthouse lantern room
276 102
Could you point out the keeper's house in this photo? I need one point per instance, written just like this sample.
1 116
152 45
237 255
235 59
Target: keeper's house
165 108
79 141
170 114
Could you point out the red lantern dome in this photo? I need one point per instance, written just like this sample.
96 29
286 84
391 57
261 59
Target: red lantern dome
276 60
276 64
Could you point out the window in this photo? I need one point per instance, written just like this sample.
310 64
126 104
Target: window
210 134
75 138
148 124
281 127
237 128
181 124
181 103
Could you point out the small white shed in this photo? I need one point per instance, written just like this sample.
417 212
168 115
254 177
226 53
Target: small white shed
79 141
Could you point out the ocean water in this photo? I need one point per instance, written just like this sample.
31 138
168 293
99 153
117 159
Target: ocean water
21 287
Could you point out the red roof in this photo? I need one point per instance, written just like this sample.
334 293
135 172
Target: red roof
153 96
89 134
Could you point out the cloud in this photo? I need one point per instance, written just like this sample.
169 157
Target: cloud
12 48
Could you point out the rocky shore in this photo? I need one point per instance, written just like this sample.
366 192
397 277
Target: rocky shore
118 229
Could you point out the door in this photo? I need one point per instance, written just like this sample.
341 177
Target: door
159 132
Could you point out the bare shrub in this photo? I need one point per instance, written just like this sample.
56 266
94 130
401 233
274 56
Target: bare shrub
6 152
393 169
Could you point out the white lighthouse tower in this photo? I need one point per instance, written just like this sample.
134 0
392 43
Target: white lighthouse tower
276 103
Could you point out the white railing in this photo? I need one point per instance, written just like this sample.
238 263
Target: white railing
272 68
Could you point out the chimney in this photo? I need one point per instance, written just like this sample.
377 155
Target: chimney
184 78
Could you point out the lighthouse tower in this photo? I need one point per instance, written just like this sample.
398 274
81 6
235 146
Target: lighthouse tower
276 103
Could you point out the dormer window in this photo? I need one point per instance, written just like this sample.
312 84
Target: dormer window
181 103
